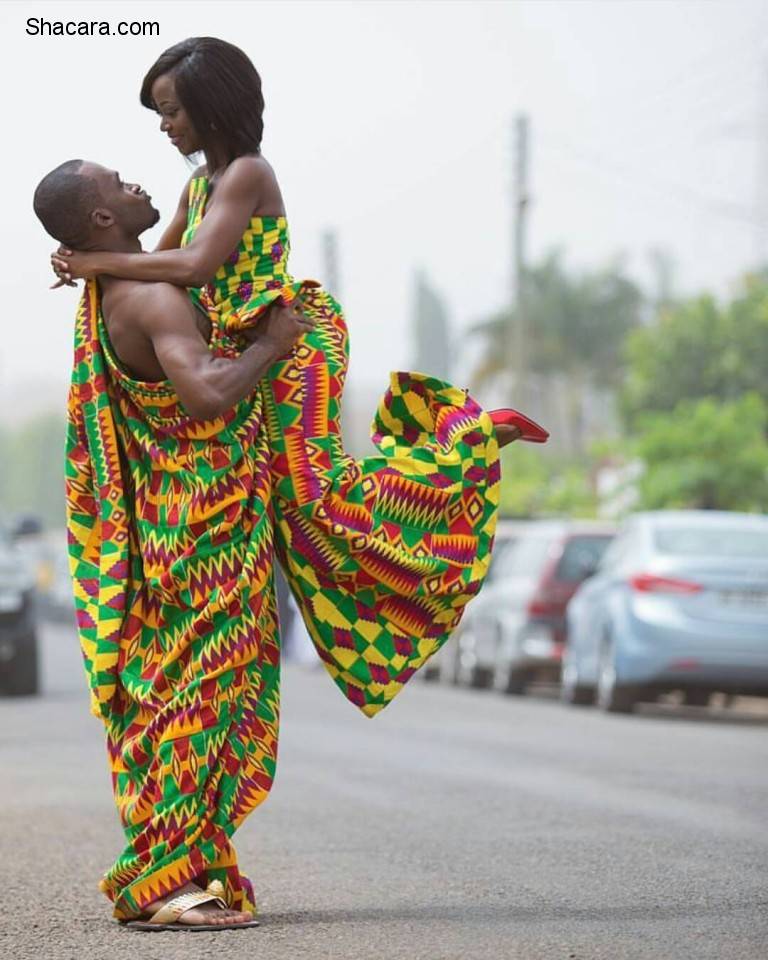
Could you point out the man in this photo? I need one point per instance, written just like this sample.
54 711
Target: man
170 541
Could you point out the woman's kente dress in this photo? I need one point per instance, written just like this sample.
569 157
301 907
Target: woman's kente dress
381 554
172 525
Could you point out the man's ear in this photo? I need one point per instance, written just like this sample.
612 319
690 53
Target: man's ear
102 218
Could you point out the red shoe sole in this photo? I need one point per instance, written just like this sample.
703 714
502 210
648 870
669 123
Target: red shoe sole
531 431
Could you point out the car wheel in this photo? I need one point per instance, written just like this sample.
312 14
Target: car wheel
508 680
517 683
612 697
449 669
571 691
23 679
430 672
696 698
480 678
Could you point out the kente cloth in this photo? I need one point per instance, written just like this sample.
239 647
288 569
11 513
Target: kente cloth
381 554
171 553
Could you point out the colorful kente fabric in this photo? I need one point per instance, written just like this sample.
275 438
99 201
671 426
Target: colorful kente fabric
170 543
171 552
381 554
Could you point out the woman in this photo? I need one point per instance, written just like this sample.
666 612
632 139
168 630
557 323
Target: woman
381 554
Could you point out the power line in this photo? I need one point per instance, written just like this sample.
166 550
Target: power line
679 192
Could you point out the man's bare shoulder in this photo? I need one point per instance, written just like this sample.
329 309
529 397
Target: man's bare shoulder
147 304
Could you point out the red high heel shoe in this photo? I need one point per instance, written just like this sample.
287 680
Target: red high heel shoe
529 429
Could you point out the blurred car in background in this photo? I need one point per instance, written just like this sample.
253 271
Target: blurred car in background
513 633
44 553
18 624
679 602
56 597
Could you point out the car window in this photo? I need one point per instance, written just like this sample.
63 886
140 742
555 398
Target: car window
723 542
618 549
525 557
500 547
581 556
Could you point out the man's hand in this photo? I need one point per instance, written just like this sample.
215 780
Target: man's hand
208 385
282 325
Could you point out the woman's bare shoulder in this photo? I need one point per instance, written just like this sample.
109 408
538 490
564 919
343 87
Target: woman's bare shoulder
252 167
255 173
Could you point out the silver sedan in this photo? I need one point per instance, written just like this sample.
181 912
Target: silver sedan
679 602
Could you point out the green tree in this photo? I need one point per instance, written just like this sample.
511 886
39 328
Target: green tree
708 455
33 469
699 349
577 325
533 485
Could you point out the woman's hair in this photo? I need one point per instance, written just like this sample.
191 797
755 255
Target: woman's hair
220 90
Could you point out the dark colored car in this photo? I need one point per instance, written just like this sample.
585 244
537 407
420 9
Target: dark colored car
18 629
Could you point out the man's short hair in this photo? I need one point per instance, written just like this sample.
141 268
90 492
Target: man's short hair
63 202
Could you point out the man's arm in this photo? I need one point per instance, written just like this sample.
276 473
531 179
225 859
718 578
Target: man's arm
206 385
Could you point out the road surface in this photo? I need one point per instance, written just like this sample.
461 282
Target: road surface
457 825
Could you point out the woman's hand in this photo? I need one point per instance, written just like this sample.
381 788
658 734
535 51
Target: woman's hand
70 265
62 280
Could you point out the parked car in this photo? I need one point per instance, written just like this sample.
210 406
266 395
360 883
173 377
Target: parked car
679 602
513 633
18 630
56 596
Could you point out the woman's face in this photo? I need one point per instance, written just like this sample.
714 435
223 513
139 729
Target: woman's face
173 117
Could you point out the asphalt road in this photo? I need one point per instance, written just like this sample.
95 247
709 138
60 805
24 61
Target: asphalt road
455 826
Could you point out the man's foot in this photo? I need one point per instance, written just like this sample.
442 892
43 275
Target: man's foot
205 913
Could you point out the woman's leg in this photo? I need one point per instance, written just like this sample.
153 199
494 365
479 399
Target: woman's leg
382 554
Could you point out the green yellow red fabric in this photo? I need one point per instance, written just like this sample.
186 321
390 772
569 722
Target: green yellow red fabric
381 554
172 525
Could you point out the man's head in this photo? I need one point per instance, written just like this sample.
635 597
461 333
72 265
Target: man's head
88 207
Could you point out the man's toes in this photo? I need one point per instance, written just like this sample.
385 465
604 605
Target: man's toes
217 916
231 916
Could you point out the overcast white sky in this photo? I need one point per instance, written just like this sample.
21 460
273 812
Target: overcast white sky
392 123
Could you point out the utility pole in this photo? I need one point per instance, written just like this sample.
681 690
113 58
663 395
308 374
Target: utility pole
517 340
331 263
761 173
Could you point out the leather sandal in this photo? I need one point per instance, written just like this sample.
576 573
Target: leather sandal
167 917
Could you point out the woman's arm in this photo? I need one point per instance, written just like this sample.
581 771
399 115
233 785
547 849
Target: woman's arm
237 195
170 240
